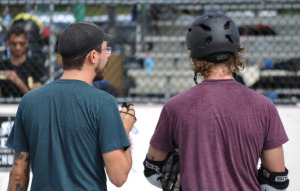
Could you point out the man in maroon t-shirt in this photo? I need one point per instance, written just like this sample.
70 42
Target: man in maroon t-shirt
220 127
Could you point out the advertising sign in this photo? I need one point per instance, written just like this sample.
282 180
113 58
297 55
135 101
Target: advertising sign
7 117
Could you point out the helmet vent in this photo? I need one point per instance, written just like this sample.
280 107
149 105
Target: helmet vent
228 38
207 41
204 27
227 25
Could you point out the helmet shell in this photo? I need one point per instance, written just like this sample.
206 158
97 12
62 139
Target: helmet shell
213 37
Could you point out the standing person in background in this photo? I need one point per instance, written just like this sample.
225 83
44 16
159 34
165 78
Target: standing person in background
20 73
220 127
68 130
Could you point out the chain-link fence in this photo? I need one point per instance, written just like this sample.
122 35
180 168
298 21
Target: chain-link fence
150 61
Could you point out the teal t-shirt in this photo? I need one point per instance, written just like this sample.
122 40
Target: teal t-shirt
66 126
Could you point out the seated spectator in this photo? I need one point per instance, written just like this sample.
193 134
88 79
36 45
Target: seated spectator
21 73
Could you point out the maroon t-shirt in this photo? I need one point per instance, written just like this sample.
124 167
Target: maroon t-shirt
220 128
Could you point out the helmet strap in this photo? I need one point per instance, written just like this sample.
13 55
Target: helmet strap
195 78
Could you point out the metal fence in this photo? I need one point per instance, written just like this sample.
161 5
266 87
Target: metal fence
150 62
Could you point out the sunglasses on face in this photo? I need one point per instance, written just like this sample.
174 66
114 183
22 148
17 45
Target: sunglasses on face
14 44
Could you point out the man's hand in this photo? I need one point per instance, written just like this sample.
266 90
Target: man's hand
13 76
128 116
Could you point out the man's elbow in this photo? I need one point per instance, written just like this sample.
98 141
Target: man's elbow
120 180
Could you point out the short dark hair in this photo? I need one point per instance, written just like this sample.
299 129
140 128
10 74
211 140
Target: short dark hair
77 62
16 30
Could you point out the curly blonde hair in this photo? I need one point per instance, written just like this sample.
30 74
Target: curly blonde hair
204 68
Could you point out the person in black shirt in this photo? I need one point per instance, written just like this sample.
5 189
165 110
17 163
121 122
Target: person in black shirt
19 73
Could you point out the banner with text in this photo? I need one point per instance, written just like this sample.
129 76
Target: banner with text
6 154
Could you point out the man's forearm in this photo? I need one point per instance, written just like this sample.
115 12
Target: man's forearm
129 158
20 172
13 76
22 86
16 184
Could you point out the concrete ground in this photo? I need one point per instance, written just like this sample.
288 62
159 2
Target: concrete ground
147 116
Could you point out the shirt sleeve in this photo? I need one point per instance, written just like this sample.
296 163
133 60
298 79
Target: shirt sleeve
163 137
17 139
112 134
275 134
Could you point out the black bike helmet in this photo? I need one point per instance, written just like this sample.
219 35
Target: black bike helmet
213 37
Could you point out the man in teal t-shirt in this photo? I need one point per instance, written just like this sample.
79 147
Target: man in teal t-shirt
68 130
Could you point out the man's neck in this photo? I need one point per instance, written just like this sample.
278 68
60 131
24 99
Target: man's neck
219 72
17 61
77 75
219 77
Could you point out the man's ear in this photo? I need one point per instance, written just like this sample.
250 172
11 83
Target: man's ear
92 56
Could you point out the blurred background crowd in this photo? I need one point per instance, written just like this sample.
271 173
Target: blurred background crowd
149 61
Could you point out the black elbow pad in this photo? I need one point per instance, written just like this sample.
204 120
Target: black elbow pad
152 167
152 171
272 181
